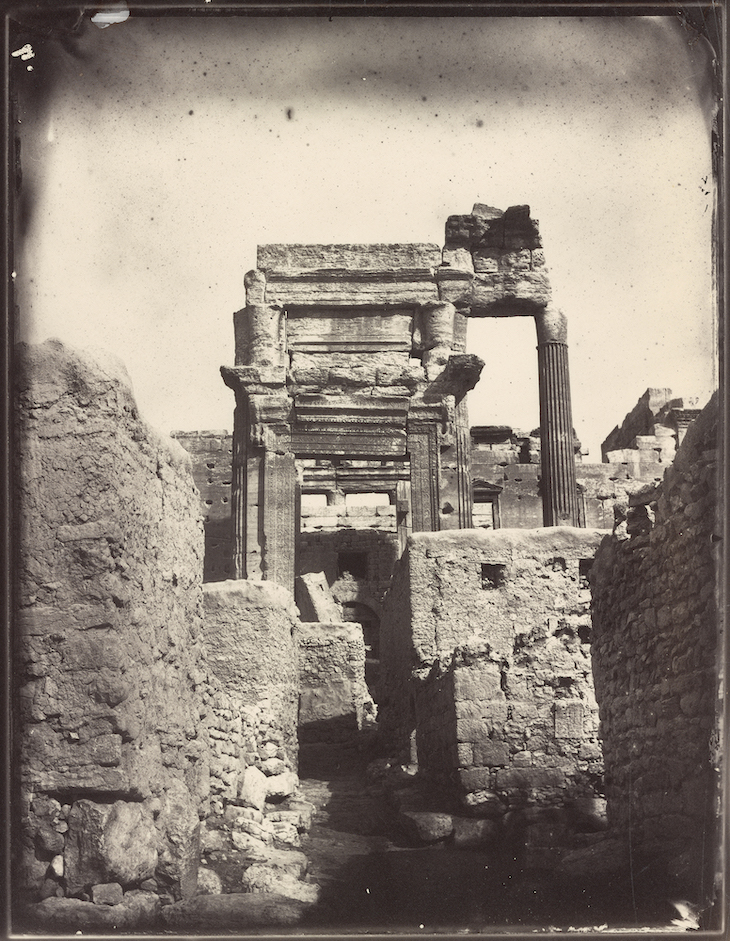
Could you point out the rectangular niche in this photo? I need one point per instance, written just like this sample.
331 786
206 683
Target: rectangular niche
493 575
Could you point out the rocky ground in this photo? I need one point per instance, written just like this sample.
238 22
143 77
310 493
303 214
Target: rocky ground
369 849
376 874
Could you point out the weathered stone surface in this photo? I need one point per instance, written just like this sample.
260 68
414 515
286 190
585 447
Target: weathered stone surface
334 693
179 842
470 832
272 766
209 882
254 788
292 862
263 878
235 912
110 893
108 655
137 911
281 785
426 827
109 843
483 804
495 669
252 650
654 642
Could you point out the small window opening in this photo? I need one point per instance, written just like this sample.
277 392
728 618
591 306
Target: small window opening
584 571
352 563
492 575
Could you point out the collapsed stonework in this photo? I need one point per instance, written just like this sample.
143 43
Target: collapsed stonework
655 653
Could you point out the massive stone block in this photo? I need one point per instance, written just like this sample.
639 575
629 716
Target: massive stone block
107 640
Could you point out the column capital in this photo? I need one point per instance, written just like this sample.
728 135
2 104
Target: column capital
552 326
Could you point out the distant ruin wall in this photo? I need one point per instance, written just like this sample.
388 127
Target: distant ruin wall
655 656
494 673
111 748
211 460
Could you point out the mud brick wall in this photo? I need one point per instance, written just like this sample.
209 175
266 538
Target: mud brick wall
333 695
250 631
500 631
655 630
108 652
210 453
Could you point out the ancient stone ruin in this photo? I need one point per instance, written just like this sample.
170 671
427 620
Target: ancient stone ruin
513 651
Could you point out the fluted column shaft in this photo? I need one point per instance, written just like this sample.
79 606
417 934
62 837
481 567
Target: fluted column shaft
559 488
238 489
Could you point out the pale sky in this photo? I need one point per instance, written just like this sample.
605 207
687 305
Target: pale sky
157 154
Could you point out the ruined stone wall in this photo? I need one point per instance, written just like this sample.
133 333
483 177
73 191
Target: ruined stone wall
252 650
111 750
603 488
325 552
210 453
333 696
655 656
500 628
652 430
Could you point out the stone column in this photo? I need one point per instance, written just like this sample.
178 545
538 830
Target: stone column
559 489
463 460
264 480
239 480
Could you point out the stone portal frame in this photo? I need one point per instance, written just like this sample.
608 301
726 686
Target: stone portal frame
357 351
494 266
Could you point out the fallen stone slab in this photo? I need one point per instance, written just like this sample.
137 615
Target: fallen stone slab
425 826
605 858
263 878
137 910
237 911
474 832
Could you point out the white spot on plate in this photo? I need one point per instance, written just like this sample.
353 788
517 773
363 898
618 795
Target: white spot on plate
116 12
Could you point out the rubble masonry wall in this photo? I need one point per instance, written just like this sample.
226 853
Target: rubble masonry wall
495 672
655 631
